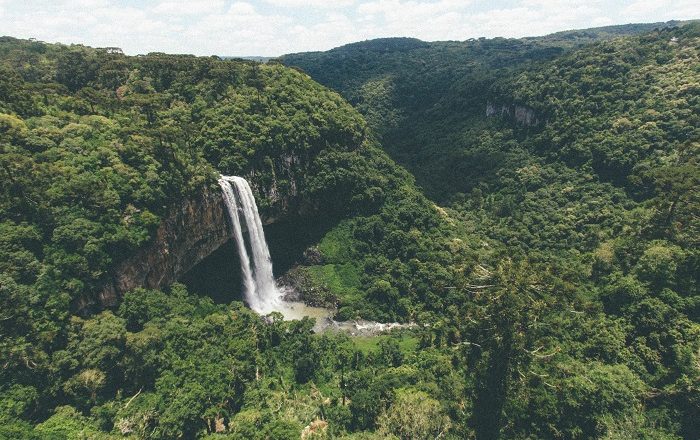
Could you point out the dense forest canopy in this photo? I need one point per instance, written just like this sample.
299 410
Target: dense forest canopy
98 147
426 101
599 189
555 288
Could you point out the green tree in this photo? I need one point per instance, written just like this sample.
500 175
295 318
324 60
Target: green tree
508 301
414 415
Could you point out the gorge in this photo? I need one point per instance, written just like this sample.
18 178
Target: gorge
539 251
261 292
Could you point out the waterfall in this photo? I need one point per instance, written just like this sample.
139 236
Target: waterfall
261 292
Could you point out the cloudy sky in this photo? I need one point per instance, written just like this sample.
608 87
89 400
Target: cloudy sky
275 27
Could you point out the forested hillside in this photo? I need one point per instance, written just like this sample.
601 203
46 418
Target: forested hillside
585 167
422 99
554 288
97 148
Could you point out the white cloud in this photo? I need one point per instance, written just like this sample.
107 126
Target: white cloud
662 9
523 21
549 4
241 30
644 7
395 9
444 19
242 8
274 27
601 21
458 20
335 30
95 22
190 7
320 4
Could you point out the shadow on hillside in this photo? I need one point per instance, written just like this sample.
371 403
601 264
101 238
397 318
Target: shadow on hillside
219 276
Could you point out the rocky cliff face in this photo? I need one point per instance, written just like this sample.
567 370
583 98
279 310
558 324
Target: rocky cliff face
277 189
199 225
521 114
193 229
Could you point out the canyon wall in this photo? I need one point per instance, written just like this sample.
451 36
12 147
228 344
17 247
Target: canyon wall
519 113
192 230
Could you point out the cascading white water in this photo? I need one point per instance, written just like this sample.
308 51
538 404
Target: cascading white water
261 292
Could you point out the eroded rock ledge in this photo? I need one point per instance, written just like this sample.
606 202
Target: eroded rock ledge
519 113
194 229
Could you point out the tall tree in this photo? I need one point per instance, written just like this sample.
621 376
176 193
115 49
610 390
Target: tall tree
499 334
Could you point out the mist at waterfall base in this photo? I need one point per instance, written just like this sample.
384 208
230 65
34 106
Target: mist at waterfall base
261 293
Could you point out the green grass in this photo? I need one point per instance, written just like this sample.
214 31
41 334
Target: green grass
337 245
367 344
343 280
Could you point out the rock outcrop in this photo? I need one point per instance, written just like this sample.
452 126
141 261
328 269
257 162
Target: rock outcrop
278 186
199 225
192 230
521 114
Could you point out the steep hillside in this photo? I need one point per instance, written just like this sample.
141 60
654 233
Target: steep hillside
555 291
606 182
422 98
586 163
109 167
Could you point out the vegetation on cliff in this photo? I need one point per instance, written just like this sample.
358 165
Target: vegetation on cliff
592 211
97 147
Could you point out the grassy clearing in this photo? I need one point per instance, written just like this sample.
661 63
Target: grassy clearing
337 246
408 342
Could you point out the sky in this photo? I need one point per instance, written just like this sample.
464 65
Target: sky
276 27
